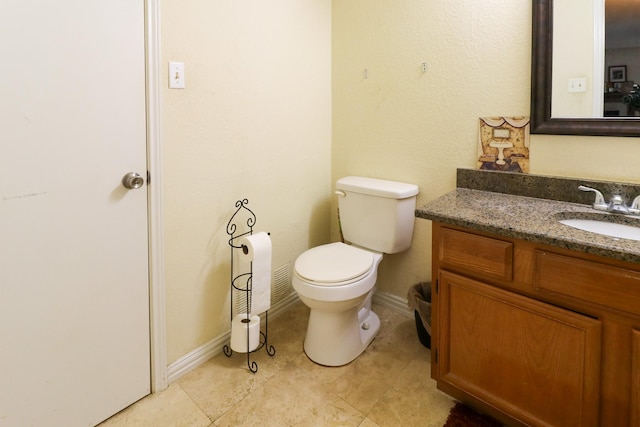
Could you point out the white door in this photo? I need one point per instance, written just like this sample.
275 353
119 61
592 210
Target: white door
74 303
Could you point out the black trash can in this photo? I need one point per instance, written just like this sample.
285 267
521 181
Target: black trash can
419 299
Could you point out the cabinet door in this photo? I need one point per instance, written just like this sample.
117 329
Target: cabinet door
535 362
635 379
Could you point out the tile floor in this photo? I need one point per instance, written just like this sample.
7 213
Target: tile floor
388 385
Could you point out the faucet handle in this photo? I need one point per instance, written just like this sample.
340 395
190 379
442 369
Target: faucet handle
635 206
599 203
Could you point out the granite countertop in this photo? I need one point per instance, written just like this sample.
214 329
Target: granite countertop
530 218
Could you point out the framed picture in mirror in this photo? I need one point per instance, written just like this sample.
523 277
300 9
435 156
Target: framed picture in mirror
618 73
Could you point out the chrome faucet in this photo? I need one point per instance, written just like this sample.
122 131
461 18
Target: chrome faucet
615 205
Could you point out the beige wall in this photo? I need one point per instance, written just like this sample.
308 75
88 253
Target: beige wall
253 122
403 124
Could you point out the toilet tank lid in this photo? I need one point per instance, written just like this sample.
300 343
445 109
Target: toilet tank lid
377 187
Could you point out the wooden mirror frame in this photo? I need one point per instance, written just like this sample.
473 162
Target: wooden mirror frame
541 67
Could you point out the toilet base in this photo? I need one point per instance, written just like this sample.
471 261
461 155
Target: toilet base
335 339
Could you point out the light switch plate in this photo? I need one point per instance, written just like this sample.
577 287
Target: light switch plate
578 85
176 75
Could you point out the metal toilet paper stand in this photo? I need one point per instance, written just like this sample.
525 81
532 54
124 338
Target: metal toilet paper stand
241 282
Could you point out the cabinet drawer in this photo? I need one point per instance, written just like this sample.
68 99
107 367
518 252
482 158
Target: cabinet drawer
602 284
477 255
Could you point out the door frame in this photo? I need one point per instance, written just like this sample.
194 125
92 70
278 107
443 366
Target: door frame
157 313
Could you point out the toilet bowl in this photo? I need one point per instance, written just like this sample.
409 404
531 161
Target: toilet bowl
336 281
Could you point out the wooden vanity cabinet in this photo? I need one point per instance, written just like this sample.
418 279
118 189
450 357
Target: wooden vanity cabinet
635 380
535 335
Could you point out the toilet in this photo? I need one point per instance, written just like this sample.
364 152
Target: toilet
337 280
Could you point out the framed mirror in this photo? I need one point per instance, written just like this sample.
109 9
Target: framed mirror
542 121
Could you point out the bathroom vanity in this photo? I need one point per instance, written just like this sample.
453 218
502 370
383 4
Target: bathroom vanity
533 322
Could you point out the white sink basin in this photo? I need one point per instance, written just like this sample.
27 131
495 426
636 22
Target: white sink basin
605 228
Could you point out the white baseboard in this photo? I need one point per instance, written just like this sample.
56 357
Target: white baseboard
212 348
206 351
393 302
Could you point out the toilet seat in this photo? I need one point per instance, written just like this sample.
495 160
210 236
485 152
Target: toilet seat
334 264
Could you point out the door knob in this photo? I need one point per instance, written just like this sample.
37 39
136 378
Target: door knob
132 181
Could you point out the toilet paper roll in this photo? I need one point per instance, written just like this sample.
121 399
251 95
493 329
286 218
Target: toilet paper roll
258 251
240 327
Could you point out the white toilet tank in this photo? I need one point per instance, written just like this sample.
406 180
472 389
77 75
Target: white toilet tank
377 214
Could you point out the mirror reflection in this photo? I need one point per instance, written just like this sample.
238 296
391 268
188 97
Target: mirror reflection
596 59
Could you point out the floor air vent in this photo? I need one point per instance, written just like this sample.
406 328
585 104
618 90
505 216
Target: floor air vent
280 289
281 284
